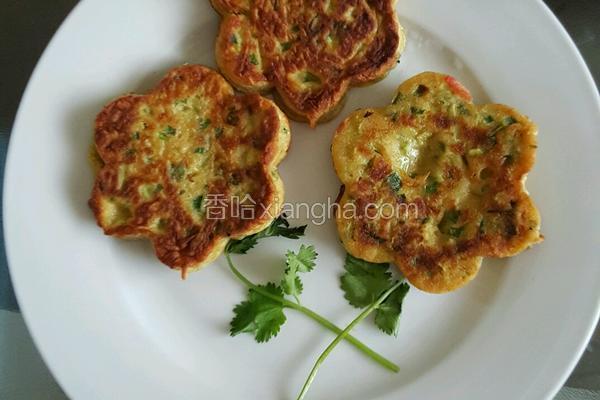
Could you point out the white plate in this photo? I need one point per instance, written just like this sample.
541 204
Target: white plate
112 322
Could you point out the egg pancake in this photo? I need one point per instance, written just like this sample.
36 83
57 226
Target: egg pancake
308 52
433 182
190 165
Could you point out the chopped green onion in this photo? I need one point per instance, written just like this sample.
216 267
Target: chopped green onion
394 182
431 186
416 111
204 123
197 203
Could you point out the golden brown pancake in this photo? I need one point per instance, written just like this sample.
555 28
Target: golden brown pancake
437 182
308 52
190 165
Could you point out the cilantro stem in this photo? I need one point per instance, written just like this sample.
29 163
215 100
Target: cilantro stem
378 358
344 334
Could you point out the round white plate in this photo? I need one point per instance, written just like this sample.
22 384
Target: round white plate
112 322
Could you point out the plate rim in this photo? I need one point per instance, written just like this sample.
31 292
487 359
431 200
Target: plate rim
10 165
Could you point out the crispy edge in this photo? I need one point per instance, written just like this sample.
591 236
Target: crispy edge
248 79
444 277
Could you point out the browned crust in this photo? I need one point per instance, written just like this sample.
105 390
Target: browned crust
492 216
185 241
262 44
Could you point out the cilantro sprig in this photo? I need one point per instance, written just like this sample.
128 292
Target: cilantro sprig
344 334
279 227
262 313
364 282
369 286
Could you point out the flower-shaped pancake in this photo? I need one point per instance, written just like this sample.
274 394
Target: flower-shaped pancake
433 182
189 166
309 52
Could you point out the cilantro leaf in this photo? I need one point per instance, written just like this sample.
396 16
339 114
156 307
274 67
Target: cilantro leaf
242 246
259 315
363 282
388 313
303 261
279 227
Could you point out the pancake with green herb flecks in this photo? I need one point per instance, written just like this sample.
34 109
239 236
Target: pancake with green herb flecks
454 173
189 166
308 52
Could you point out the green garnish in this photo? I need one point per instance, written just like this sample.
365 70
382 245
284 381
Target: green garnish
135 136
343 335
197 203
488 119
204 123
451 216
462 109
303 261
218 131
262 312
260 315
449 219
394 182
387 317
253 59
199 150
431 186
456 232
177 172
398 98
364 281
309 77
279 227
166 132
365 285
508 121
387 297
286 46
233 39
416 111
